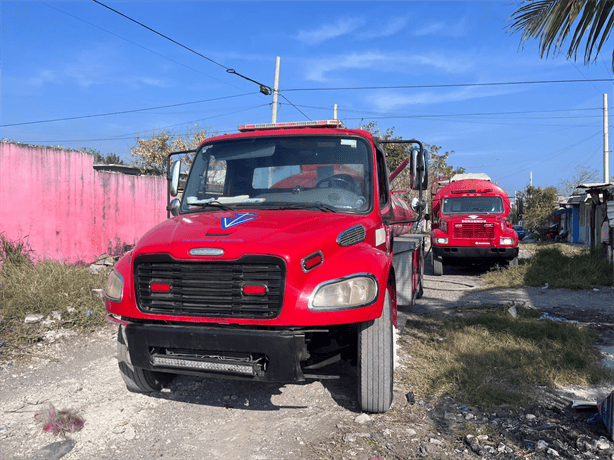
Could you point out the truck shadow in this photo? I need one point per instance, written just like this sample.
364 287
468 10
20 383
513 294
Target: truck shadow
262 396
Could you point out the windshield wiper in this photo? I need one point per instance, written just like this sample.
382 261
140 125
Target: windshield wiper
215 204
318 205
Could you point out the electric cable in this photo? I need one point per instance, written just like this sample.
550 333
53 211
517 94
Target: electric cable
450 85
124 111
131 135
266 90
295 107
136 44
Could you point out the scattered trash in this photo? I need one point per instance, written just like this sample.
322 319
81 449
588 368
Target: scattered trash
552 317
512 311
411 399
584 405
33 318
2 343
545 286
530 445
595 290
542 445
59 422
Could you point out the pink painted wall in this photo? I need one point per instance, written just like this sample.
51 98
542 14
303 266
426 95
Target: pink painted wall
68 211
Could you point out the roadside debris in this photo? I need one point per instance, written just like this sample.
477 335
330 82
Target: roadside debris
59 422
552 317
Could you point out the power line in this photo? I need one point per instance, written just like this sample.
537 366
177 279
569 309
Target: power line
123 112
131 135
266 90
296 107
459 114
451 85
136 44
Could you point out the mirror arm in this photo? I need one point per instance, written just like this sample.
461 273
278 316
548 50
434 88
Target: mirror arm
169 162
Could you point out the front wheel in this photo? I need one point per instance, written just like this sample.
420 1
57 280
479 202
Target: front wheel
437 265
376 361
137 380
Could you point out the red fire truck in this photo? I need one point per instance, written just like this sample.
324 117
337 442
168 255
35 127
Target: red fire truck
279 259
470 222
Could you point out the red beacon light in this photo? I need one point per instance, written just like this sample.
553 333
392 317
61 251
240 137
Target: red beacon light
292 124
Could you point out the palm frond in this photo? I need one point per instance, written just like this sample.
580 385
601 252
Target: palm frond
551 21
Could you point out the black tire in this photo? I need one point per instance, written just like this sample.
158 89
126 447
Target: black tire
437 265
138 380
376 361
420 292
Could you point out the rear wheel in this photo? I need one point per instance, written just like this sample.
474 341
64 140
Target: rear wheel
420 292
137 380
437 265
376 361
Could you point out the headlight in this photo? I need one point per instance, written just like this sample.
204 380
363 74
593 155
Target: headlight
115 287
441 240
345 293
507 240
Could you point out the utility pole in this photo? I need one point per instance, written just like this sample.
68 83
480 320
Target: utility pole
275 91
531 179
606 150
335 112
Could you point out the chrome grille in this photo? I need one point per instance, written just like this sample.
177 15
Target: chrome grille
209 288
474 230
353 235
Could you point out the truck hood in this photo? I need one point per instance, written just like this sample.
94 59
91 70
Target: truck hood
243 232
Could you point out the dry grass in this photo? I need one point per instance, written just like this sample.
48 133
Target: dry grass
487 358
559 265
43 288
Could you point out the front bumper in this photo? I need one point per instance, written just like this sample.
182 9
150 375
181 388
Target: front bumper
220 348
488 252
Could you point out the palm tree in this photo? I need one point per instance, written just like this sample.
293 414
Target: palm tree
551 21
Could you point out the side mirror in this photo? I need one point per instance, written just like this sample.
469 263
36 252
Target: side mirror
419 169
418 205
173 207
174 177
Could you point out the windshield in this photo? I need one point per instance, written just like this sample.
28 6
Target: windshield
472 205
329 173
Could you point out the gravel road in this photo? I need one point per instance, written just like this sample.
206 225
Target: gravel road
221 419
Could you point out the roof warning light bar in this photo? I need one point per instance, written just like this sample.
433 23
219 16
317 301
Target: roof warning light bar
293 124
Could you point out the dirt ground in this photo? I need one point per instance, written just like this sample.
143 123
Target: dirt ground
197 418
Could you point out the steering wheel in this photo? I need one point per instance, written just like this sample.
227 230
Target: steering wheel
342 181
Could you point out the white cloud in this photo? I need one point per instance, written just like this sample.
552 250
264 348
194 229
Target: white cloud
394 100
393 26
390 62
329 31
439 28
43 76
91 68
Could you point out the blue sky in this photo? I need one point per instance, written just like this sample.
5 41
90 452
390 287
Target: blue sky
79 59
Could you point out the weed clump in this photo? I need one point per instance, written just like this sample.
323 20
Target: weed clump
491 358
559 267
42 289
